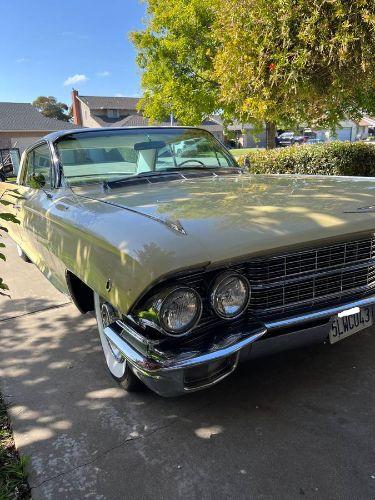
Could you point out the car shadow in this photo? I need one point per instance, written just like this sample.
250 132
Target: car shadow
68 412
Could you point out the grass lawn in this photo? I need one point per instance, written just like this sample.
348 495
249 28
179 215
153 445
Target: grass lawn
13 483
243 151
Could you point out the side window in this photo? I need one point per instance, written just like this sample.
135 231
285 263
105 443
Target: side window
39 167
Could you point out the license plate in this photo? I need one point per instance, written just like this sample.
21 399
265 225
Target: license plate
345 326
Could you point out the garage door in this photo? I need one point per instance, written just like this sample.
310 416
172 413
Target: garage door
344 134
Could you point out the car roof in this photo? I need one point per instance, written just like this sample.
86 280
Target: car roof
53 136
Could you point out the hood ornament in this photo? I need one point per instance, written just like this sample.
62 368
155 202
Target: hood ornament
175 225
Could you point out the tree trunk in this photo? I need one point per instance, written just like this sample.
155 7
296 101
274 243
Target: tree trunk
270 135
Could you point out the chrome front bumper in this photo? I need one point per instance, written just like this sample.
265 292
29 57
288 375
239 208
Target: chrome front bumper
176 372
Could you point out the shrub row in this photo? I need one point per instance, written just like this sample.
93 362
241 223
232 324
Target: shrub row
332 158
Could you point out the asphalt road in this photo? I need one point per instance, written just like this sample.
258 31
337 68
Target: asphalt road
301 424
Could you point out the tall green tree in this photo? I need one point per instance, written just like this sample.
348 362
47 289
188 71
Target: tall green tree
285 62
51 108
175 54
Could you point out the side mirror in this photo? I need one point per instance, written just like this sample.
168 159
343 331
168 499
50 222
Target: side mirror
37 181
246 163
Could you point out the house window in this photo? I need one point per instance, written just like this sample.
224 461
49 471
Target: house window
113 113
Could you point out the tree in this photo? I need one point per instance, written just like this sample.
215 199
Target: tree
51 108
175 54
286 62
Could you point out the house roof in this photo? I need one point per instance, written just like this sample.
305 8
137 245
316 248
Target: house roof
137 120
22 116
367 121
103 102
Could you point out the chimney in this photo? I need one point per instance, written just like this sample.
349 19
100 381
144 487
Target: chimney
76 108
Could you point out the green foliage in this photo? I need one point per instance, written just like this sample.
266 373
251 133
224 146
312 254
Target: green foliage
51 108
293 62
7 217
13 483
332 158
286 62
175 54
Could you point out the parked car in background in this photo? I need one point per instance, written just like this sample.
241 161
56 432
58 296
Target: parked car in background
314 141
190 264
292 138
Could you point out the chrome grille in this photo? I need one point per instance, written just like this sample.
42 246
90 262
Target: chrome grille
309 277
298 281
320 259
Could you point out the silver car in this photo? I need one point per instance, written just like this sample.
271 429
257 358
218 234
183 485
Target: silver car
190 264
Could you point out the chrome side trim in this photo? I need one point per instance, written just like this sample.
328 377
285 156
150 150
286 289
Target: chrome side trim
322 313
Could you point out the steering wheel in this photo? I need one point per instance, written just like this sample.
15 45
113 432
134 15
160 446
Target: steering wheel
191 159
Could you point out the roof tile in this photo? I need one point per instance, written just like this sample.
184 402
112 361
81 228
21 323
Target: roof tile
103 102
22 116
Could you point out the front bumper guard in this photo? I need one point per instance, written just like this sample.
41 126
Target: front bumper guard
174 373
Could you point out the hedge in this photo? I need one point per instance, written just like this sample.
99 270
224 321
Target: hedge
332 158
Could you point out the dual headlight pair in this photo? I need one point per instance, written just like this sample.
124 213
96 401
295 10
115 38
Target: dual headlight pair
179 308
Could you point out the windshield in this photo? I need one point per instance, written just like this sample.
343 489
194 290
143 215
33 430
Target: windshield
110 155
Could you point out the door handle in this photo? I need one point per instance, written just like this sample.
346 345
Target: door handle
17 207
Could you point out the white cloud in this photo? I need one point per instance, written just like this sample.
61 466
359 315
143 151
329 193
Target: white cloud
75 79
21 60
103 73
119 95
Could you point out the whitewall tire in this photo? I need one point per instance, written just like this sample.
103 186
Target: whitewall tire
22 254
116 363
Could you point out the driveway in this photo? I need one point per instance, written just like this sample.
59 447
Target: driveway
301 424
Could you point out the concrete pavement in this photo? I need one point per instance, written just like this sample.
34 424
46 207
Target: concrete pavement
301 424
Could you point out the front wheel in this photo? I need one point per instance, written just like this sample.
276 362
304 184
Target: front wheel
116 363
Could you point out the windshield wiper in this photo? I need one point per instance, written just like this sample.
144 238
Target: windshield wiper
190 167
198 167
168 171
141 176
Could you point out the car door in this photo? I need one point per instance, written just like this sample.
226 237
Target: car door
35 189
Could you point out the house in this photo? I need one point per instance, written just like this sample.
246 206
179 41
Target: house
366 127
102 111
21 124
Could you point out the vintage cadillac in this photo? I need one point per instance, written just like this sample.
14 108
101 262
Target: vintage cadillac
191 264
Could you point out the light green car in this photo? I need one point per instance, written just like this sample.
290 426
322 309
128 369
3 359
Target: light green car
190 264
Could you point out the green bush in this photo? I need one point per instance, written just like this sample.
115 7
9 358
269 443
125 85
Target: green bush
332 158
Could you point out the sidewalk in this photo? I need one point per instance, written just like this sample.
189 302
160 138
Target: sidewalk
301 424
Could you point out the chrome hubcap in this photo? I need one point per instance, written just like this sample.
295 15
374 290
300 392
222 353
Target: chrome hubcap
108 316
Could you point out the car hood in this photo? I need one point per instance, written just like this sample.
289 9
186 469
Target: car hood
235 215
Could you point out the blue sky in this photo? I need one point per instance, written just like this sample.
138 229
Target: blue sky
44 43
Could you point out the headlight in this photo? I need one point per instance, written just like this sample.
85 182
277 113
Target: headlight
230 295
178 309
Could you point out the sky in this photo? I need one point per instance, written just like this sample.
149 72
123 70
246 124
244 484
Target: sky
49 46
